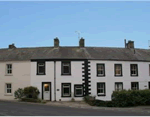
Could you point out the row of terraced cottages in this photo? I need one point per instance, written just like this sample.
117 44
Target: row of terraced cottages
61 73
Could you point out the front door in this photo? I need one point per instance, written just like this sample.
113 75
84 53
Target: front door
46 91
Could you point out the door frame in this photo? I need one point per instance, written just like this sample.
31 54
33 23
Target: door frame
50 89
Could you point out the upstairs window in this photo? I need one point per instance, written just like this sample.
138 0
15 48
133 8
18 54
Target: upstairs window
134 69
66 68
134 85
100 69
9 69
101 89
118 86
118 70
41 68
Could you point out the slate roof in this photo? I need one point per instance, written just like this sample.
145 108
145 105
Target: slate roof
101 53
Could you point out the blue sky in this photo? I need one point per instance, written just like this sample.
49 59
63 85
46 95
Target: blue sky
104 24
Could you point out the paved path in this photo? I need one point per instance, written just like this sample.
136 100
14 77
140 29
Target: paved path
26 109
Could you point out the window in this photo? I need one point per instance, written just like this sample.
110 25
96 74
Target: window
101 89
8 88
134 69
66 89
118 86
100 70
78 90
9 69
66 68
134 85
41 68
118 70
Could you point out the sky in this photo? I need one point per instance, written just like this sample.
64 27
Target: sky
102 24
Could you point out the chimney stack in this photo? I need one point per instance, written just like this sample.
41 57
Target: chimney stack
81 42
130 44
12 46
56 42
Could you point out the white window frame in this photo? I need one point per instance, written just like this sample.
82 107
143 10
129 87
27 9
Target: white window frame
118 69
100 67
77 87
8 88
135 86
8 68
134 69
66 95
99 88
68 65
118 86
42 64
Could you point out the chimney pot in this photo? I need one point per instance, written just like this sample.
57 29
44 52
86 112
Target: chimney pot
81 42
56 42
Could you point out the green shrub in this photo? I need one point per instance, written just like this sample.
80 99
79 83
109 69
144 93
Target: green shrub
90 100
124 98
19 93
30 100
31 92
128 98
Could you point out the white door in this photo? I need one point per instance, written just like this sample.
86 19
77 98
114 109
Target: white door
46 91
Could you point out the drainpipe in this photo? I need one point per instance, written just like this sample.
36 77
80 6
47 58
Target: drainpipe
54 80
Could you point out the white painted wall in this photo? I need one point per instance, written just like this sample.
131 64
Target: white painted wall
74 78
20 77
36 80
143 76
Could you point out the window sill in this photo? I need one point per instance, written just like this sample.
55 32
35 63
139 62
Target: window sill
7 94
8 74
66 96
118 75
78 96
101 94
66 74
100 75
41 74
134 75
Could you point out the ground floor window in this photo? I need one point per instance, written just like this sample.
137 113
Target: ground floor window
78 90
134 85
118 86
8 88
66 89
101 89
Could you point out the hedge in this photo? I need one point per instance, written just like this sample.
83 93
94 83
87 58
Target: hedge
124 98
